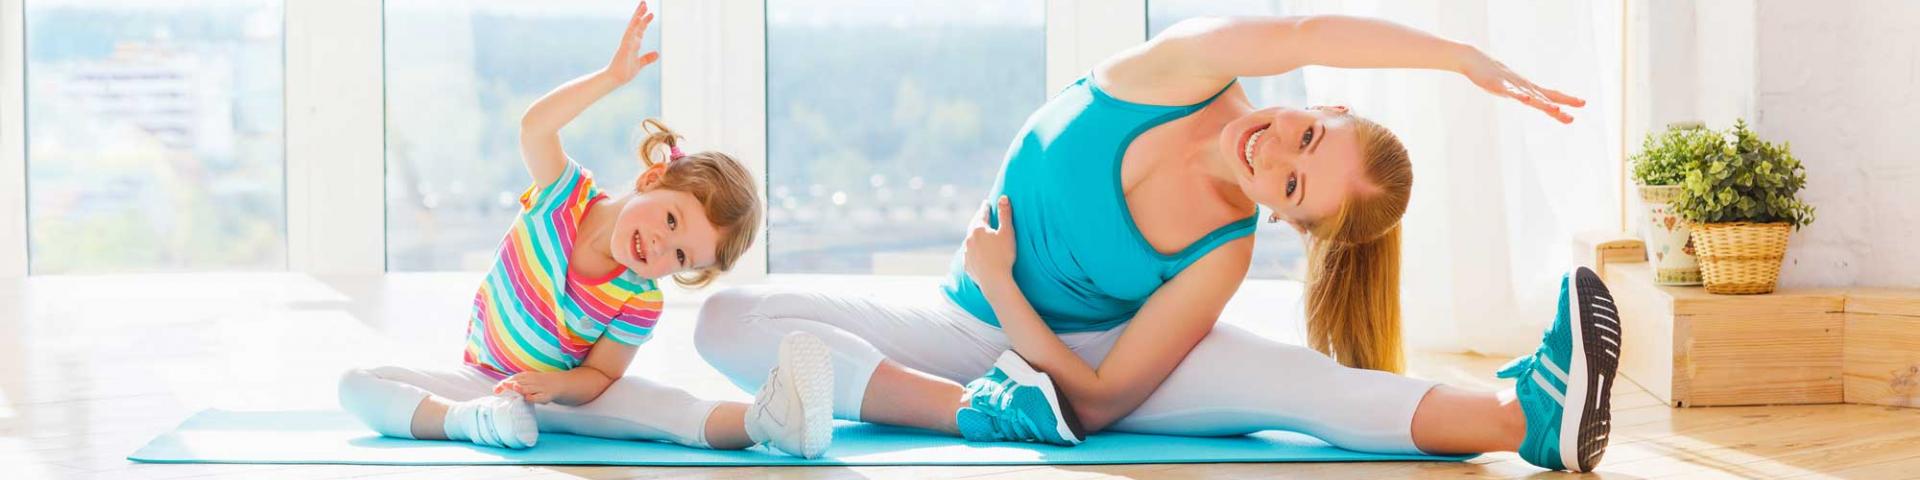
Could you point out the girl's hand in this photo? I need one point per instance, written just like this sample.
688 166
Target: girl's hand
989 251
536 387
1495 78
629 60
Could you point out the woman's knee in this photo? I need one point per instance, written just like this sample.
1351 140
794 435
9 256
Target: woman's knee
721 317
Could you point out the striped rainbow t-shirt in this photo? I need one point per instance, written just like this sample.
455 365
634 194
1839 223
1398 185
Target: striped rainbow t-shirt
529 315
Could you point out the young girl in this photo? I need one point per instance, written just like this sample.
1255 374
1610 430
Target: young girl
557 319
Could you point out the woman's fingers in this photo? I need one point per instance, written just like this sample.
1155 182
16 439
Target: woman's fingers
1006 215
1561 98
1538 102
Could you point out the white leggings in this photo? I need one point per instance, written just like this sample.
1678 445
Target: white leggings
632 408
1233 382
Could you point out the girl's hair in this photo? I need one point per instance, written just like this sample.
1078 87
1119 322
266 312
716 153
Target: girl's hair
724 188
1353 261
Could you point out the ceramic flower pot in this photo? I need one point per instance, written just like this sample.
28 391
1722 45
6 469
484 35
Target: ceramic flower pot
1669 240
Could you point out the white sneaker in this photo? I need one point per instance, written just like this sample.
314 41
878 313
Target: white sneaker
794 410
504 420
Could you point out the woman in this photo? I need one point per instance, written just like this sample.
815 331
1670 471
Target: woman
1137 189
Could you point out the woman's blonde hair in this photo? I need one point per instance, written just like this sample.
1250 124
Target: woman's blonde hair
1353 261
724 188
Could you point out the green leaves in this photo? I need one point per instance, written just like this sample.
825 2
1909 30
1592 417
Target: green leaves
1736 179
1663 156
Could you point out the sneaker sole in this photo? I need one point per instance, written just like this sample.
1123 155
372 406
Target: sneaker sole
808 365
1017 368
1595 358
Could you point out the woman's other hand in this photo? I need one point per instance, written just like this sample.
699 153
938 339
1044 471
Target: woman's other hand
990 251
1496 78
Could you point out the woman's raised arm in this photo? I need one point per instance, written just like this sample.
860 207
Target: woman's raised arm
1194 58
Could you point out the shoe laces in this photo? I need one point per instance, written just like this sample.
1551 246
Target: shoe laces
996 400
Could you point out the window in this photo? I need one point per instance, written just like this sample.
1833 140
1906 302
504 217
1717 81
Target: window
155 136
459 75
1278 251
886 122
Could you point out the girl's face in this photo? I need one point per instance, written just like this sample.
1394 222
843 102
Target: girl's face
1301 163
661 232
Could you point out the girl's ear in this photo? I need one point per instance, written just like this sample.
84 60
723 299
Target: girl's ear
650 177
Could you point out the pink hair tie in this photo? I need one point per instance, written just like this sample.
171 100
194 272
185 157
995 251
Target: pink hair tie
673 153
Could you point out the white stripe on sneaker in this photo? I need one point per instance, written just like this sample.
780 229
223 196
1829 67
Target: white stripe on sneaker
1551 368
1602 391
1603 326
1558 397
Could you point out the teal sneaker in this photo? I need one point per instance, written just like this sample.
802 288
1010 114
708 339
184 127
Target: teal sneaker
1565 387
1015 403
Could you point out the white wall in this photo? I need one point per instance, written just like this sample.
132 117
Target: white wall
1834 79
1838 80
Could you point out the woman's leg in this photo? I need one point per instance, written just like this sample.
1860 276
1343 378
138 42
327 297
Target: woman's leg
1235 382
908 353
1455 420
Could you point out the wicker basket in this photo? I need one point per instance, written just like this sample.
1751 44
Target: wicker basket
1740 258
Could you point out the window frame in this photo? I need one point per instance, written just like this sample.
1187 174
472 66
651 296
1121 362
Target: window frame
335 136
13 147
335 115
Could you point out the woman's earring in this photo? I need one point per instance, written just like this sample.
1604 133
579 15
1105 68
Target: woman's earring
1273 217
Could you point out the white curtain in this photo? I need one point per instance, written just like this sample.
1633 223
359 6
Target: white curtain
1500 189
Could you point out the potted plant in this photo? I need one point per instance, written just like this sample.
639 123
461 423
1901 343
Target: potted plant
1658 169
1741 203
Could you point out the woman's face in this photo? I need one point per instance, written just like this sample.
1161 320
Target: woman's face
1301 163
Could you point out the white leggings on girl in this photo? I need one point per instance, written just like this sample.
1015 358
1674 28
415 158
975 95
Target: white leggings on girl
632 408
1234 382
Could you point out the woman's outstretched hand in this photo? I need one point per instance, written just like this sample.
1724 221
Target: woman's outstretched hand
990 251
629 60
1496 78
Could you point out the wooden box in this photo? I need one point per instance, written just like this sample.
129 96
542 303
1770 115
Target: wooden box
1691 348
1882 354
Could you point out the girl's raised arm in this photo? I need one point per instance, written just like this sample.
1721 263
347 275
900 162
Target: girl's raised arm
540 127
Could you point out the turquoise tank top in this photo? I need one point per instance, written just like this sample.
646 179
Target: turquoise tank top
1081 261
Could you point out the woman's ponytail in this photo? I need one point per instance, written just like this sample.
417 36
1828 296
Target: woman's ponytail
1353 301
1353 261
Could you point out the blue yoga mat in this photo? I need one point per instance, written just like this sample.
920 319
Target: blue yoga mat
332 437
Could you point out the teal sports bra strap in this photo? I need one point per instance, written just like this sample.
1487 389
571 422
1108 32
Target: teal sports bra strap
1226 233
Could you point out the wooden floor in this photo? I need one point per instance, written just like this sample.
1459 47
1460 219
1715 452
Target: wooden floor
93 367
